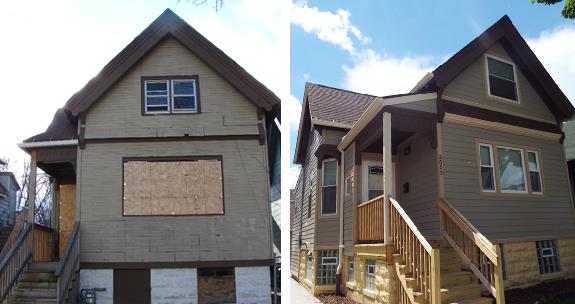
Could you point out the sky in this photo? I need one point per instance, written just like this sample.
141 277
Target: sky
51 49
385 47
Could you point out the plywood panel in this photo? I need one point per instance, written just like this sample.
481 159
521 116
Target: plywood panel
67 214
173 187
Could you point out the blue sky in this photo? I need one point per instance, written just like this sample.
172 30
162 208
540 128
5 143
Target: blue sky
385 47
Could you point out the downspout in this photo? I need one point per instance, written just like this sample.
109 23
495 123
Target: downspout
341 246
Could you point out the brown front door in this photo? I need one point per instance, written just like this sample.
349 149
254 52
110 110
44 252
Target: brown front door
132 286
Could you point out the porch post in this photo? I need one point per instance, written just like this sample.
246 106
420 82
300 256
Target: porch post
387 176
32 186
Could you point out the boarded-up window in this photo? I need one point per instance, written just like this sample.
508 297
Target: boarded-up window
160 186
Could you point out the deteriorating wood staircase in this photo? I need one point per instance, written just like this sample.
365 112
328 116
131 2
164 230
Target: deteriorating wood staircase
38 285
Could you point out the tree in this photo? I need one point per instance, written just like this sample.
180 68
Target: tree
218 4
568 10
43 206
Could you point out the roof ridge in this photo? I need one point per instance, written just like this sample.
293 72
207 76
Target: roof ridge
339 89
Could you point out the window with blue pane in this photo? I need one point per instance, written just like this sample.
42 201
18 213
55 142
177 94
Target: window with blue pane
170 95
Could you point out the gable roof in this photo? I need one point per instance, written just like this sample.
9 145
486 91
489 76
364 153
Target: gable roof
504 32
169 24
60 128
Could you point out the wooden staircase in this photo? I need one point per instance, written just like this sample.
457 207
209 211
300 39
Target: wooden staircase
458 284
38 285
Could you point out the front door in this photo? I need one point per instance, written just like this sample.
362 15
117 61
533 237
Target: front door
132 286
373 179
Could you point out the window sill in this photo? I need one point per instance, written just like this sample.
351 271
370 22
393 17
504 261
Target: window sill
350 285
369 293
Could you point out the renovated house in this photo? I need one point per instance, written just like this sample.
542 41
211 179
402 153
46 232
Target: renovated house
451 193
162 174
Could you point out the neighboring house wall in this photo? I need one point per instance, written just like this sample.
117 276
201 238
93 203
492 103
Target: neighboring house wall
501 216
8 203
419 170
243 233
471 85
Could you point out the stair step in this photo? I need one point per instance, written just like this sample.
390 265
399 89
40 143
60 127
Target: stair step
43 266
41 293
28 276
460 292
449 279
480 300
31 301
37 285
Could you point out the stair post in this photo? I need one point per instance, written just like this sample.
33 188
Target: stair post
387 178
498 277
435 280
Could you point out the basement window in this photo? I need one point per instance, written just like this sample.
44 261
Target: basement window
370 275
548 256
326 267
502 80
308 266
170 95
173 186
350 270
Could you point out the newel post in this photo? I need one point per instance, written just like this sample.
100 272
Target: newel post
32 186
498 277
387 176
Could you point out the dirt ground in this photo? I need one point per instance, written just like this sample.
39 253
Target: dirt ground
331 299
554 292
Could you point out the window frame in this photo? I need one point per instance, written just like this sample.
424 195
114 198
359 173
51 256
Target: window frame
488 86
350 270
552 261
538 159
336 185
170 80
167 82
368 264
492 168
349 185
174 159
495 161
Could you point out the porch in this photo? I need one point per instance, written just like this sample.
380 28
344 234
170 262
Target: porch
41 261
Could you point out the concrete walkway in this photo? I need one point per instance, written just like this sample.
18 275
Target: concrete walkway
300 295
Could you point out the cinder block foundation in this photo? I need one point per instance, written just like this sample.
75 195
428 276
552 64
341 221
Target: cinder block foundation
174 286
99 278
253 285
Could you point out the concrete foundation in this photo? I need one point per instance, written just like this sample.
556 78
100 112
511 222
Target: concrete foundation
174 286
99 278
253 285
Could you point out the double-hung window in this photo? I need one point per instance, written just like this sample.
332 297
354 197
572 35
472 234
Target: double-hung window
370 275
350 270
502 80
170 95
503 169
329 187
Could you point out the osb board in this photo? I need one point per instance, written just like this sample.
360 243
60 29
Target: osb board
173 187
67 214
215 290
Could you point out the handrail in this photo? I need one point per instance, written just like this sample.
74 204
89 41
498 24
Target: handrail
69 264
420 258
370 220
15 262
19 224
480 255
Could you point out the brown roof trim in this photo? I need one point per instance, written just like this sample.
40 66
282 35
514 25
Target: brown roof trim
169 24
114 140
191 264
494 116
504 32
325 151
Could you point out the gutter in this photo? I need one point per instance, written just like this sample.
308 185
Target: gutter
51 143
341 245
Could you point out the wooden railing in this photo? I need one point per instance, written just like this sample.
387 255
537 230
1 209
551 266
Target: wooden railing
68 268
370 220
19 224
15 262
42 248
480 255
422 260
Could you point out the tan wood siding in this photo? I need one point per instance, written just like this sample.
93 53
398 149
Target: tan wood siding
224 110
243 233
499 216
348 200
296 226
310 190
471 85
418 168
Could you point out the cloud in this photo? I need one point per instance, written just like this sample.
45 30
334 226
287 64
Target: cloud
385 75
293 176
556 50
335 28
291 109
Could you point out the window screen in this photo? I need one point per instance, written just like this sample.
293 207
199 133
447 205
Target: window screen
501 79
173 187
326 267
165 95
548 256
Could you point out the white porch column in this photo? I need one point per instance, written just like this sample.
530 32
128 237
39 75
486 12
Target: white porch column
32 186
387 175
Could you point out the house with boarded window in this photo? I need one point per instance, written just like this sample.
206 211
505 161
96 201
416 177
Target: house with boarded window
161 168
451 193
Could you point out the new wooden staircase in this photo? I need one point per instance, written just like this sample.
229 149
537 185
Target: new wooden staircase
38 285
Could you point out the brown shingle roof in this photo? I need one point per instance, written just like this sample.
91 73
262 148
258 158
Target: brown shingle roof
59 129
336 105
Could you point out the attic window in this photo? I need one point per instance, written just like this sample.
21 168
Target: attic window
502 80
170 95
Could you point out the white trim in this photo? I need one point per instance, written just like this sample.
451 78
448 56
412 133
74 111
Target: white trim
516 82
173 95
365 176
323 263
522 168
51 143
322 122
492 161
167 82
538 163
322 185
422 82
408 98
